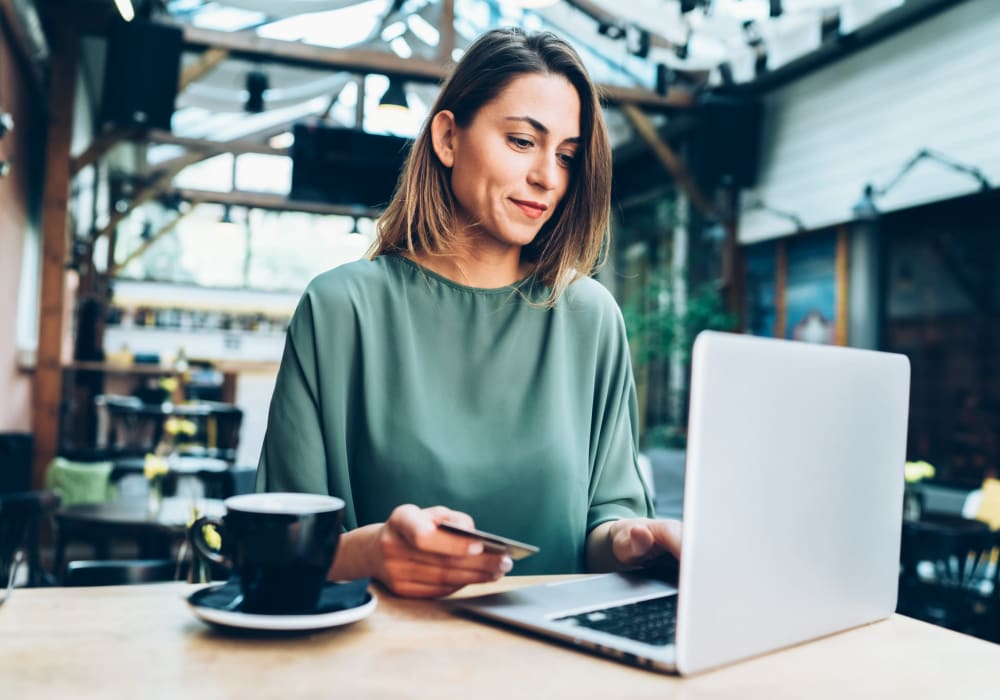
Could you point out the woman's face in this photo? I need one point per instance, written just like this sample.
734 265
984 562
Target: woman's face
511 165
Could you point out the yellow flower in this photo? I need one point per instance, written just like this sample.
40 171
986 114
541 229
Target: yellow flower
916 471
174 426
169 384
155 467
211 536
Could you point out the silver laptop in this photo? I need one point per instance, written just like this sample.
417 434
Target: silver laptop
792 514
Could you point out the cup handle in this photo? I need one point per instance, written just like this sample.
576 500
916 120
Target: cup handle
196 533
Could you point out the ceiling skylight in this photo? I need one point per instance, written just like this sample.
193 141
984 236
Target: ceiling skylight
226 19
336 28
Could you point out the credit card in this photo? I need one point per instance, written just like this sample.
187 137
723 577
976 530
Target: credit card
493 543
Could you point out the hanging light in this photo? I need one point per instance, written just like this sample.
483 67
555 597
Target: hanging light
125 9
227 223
394 97
257 83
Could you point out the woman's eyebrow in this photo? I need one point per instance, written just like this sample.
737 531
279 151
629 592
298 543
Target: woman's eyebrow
538 126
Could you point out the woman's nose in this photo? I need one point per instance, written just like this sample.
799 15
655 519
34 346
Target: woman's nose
544 172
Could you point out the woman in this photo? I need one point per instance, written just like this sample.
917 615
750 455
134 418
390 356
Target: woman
470 370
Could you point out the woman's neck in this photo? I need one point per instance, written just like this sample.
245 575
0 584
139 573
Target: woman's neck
475 267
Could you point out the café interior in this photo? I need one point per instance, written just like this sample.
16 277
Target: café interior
174 172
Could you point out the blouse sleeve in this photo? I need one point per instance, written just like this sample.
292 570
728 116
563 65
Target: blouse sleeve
617 489
293 457
308 443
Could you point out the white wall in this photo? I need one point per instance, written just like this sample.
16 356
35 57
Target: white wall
936 85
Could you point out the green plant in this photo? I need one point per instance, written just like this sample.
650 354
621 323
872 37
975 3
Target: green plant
659 329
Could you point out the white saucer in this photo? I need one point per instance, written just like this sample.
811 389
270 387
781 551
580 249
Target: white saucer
283 623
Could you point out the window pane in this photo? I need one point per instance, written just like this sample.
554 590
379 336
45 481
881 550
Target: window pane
256 172
290 248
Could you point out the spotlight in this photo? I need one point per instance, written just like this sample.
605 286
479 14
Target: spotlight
752 32
611 30
394 97
257 83
227 222
637 41
864 209
665 76
125 9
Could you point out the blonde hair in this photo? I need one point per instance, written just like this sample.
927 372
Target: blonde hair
421 215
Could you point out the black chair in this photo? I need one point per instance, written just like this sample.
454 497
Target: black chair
218 430
126 426
121 572
16 453
20 515
949 575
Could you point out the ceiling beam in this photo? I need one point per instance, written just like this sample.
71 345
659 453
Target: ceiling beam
113 270
273 202
201 67
158 186
250 46
101 144
670 160
238 146
599 14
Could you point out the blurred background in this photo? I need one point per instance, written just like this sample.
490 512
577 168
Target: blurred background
173 173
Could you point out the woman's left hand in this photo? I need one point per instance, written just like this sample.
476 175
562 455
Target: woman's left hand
635 541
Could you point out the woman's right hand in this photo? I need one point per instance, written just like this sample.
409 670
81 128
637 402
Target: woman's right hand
413 558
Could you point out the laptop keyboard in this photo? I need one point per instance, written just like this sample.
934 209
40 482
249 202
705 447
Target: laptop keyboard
648 621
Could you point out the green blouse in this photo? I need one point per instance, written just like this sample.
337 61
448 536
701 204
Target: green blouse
398 385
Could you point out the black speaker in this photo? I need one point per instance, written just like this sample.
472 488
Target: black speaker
727 140
141 71
16 453
345 166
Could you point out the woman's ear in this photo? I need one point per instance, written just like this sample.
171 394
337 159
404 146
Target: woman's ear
443 134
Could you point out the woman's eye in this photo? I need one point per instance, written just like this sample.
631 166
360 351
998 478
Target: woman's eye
567 159
519 142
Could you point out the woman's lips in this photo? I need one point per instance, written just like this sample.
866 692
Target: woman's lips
531 209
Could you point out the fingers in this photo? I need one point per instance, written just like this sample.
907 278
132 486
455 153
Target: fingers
440 514
631 541
487 564
419 560
667 534
637 540
436 575
418 528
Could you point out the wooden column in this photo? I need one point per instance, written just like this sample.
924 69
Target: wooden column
841 263
47 391
446 32
780 286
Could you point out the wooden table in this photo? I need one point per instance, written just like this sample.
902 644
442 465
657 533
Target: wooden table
142 641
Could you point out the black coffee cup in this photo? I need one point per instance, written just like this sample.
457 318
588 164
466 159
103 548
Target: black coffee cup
281 545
